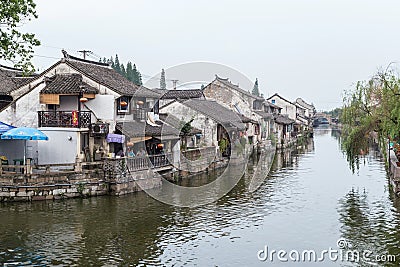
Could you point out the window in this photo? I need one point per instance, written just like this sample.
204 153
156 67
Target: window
51 107
123 105
273 101
257 105
156 108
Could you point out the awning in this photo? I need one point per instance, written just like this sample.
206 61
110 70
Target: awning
139 139
4 127
167 137
115 138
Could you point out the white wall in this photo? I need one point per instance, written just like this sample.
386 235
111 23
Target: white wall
58 149
287 108
208 127
24 111
102 106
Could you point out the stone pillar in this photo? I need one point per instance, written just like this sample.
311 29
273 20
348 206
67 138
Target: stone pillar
28 166
78 164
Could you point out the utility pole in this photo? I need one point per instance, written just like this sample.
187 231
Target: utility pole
174 82
84 52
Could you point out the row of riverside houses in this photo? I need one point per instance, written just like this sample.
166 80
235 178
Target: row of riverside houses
92 114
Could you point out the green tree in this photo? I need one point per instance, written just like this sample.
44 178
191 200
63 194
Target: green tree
137 77
335 113
129 71
123 71
117 66
255 89
163 84
186 128
372 107
16 46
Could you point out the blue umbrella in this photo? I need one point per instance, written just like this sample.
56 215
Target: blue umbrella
24 133
4 127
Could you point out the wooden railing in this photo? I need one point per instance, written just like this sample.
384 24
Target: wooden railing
124 165
140 113
64 119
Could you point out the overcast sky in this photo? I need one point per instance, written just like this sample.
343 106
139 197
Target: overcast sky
298 48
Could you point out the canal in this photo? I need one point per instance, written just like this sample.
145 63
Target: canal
309 201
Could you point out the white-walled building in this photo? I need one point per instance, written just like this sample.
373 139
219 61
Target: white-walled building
241 102
76 103
288 108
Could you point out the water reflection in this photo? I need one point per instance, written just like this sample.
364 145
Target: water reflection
308 201
370 221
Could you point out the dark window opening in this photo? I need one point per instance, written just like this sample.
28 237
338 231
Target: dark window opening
123 105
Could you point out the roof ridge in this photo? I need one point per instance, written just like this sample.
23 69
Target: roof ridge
10 68
220 78
69 57
281 97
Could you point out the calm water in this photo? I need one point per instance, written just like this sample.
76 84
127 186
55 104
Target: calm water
309 201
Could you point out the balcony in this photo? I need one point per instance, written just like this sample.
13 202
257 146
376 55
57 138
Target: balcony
67 119
140 113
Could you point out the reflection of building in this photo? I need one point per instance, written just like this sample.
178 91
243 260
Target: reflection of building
290 156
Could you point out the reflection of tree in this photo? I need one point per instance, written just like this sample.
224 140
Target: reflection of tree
335 133
356 225
369 226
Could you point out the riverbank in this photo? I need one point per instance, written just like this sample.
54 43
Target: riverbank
114 176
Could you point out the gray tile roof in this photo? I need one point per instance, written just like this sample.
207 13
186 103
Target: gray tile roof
141 129
304 104
11 79
67 84
176 123
216 112
282 119
284 99
182 94
247 119
264 114
146 92
236 87
103 74
303 117
272 105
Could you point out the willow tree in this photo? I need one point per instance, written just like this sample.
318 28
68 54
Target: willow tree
372 107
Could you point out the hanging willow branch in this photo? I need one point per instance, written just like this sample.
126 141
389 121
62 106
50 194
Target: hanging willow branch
373 106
